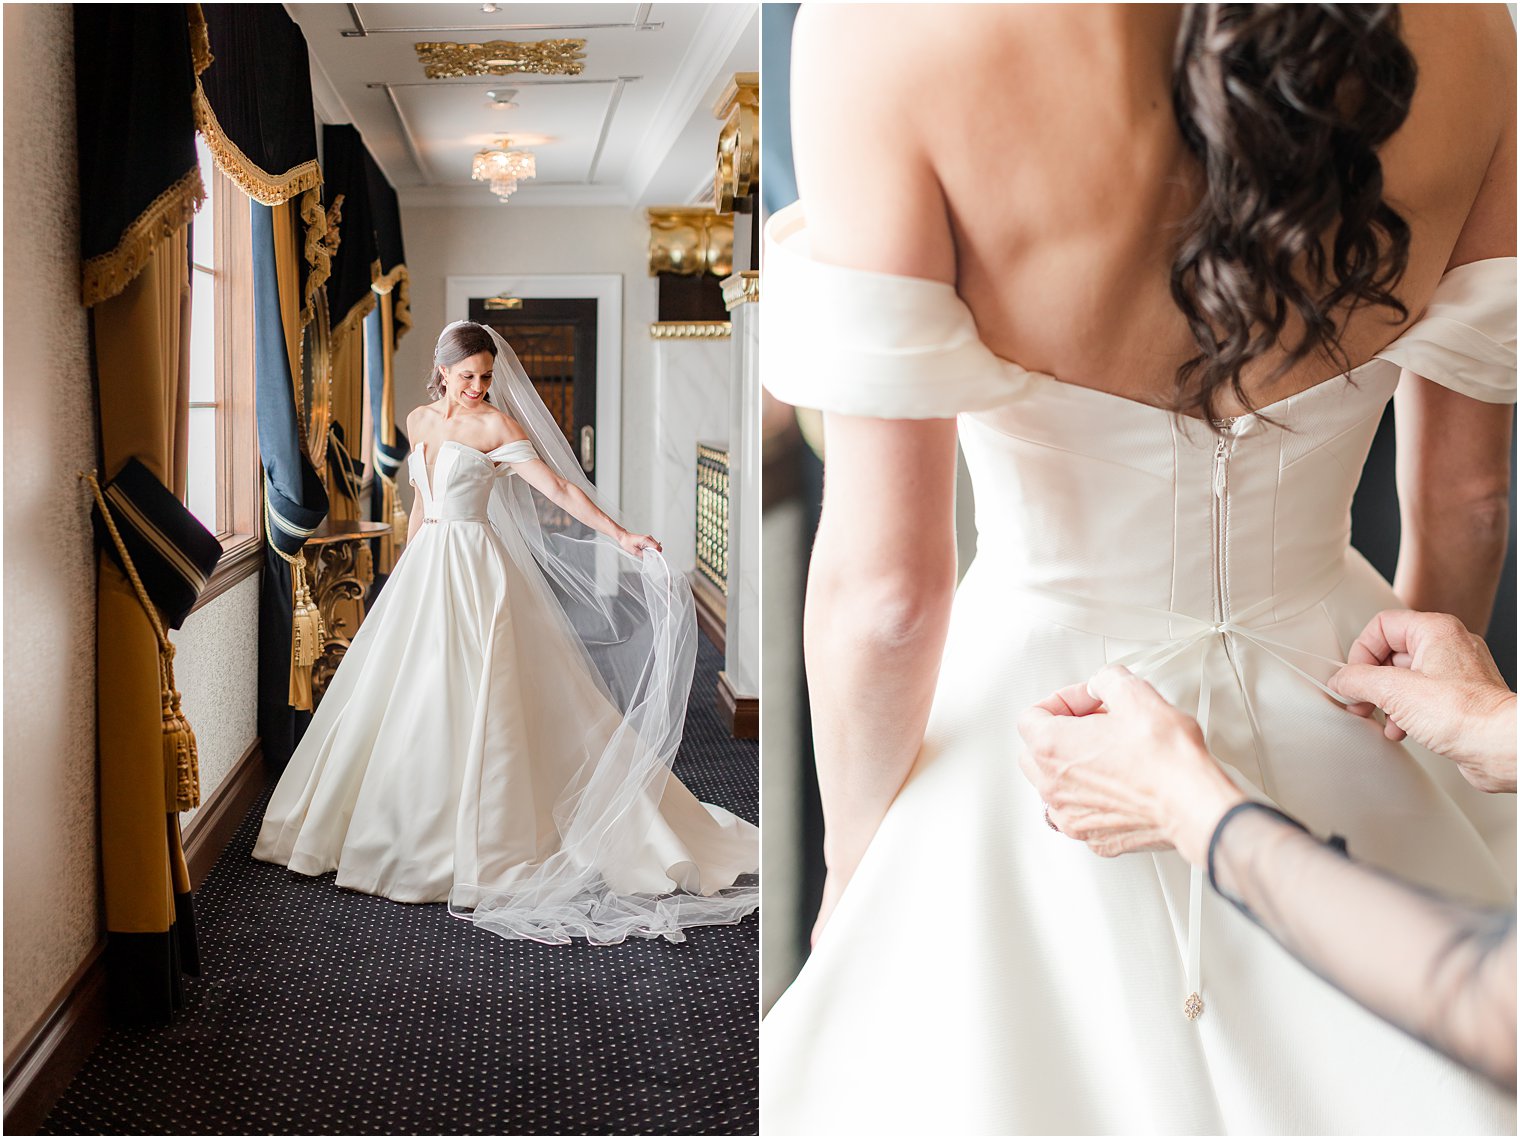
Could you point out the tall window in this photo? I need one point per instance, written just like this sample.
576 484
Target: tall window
223 472
202 484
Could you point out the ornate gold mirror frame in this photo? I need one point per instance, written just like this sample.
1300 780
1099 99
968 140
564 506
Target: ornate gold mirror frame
315 397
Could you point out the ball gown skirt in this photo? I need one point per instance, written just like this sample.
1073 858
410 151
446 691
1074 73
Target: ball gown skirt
460 719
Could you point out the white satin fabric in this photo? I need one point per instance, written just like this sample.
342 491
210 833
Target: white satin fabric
984 974
459 724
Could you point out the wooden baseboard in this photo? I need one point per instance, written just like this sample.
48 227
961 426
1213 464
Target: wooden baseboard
57 1047
712 610
63 1039
741 714
207 835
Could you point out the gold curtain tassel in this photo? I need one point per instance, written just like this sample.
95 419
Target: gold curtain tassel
306 632
364 563
181 763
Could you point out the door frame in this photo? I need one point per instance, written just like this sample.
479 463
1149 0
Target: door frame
607 290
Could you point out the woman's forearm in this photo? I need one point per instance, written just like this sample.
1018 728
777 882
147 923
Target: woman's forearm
1450 557
1453 481
872 643
575 502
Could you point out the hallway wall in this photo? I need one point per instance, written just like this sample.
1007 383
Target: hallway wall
51 886
51 846
495 239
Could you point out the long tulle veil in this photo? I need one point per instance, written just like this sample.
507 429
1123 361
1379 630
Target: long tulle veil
636 625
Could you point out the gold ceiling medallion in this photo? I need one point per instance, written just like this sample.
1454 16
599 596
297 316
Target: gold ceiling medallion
501 57
739 108
689 241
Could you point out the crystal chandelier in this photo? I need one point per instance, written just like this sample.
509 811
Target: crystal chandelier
503 168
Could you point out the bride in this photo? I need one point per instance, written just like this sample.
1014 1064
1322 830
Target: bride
500 732
1216 238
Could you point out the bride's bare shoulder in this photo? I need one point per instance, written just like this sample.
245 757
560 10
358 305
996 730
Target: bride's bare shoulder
508 430
418 416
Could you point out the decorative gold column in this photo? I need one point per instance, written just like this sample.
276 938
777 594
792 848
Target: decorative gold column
690 240
739 140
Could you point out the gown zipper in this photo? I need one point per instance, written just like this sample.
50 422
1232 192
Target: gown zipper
1193 1006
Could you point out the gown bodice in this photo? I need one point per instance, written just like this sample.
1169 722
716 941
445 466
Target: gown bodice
1218 568
1079 491
459 489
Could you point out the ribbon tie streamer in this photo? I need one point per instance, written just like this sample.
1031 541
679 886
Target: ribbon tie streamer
1175 634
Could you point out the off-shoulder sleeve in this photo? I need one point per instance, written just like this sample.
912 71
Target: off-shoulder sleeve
517 451
1465 339
872 344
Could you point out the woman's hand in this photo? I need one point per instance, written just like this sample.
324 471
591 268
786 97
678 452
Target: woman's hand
636 544
1438 684
1122 770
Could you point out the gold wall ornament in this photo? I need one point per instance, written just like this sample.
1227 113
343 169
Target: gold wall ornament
690 329
690 240
738 141
501 57
741 289
498 303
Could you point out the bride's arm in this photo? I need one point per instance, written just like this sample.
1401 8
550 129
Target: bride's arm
878 605
1453 451
883 566
1453 479
571 499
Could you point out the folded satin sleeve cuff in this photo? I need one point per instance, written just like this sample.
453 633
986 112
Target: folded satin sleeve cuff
517 451
1465 339
872 344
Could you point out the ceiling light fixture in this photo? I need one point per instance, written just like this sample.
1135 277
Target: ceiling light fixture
502 99
503 167
488 9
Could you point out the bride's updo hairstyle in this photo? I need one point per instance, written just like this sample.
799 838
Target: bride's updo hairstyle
457 342
1285 106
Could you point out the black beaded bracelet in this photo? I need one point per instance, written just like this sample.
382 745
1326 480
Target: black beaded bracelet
1248 805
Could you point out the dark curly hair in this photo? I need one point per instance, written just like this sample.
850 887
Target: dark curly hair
1285 106
457 342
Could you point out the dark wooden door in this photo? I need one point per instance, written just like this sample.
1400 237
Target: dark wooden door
556 341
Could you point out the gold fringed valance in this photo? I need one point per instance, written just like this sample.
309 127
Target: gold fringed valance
200 41
104 276
252 179
398 282
353 320
322 237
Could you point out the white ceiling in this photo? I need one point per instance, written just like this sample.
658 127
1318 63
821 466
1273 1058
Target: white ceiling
636 127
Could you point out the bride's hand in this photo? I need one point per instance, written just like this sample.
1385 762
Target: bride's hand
1122 770
636 544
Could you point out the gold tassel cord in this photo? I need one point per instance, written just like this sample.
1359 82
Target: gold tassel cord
182 786
308 634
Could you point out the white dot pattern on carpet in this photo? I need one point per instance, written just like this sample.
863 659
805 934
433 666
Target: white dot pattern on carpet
321 1011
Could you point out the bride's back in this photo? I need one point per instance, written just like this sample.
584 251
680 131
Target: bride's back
1030 155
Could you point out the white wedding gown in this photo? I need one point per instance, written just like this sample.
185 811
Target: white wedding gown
460 719
984 974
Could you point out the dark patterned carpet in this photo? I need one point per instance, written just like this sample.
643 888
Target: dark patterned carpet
321 1011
